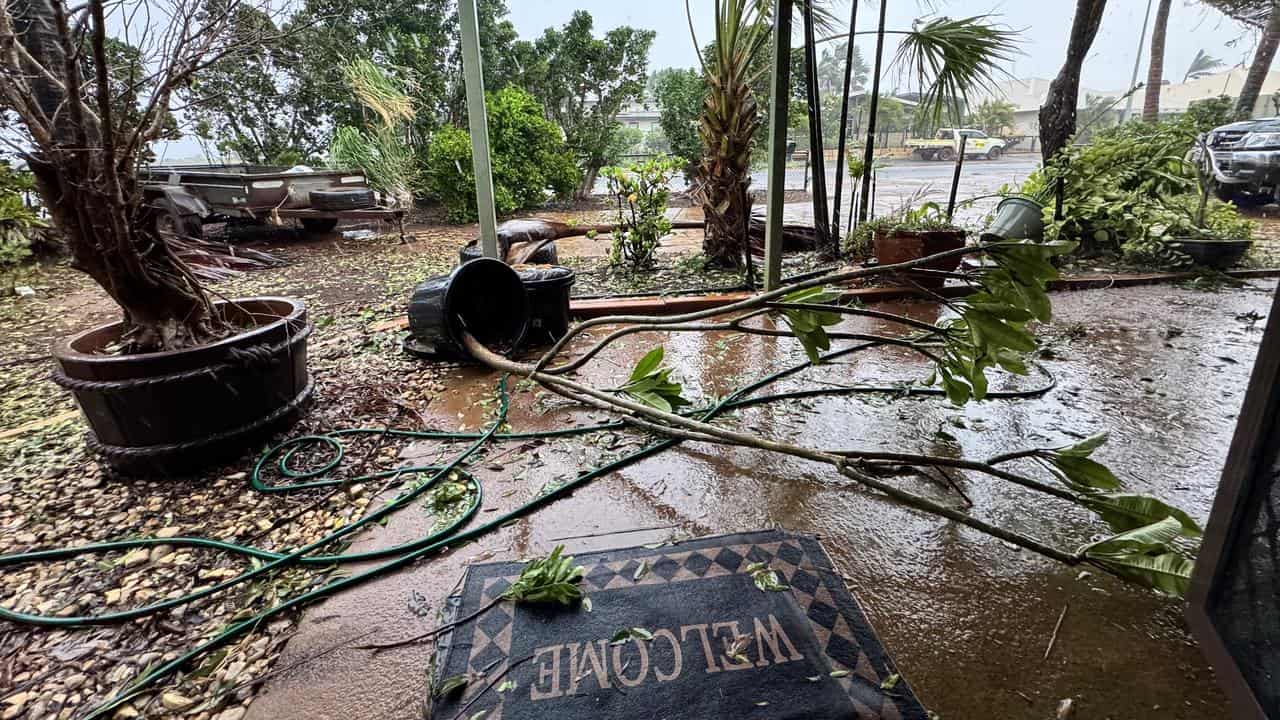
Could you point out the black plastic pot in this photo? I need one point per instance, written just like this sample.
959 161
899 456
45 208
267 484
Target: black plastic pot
483 297
173 412
548 289
1220 254
545 255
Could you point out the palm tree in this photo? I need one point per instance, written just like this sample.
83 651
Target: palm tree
1155 71
728 123
1202 64
1264 15
1261 65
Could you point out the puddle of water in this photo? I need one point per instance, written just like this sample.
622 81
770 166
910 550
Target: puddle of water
967 617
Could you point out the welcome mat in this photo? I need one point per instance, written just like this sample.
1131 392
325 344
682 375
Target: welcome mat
708 642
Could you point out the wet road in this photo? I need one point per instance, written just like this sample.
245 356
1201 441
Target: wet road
968 618
904 182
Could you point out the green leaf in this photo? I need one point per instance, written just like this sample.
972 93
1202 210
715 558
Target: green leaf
550 579
890 682
996 332
648 363
1167 572
1083 473
1085 447
1130 511
1148 538
452 684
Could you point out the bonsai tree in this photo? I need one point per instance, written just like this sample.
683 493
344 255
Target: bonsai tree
86 120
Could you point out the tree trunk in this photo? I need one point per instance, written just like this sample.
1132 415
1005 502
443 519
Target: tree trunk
1155 71
1260 66
588 184
1058 114
91 192
726 127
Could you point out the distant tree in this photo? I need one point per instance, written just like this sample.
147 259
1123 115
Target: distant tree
1098 113
992 116
831 69
260 105
679 94
1058 113
1155 70
584 82
1209 113
1202 64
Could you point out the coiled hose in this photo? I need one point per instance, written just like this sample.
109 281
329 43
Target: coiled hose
406 553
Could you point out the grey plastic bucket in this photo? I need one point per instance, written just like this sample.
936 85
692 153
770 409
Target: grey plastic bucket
1017 218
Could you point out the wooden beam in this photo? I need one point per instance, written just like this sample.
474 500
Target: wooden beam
477 120
780 97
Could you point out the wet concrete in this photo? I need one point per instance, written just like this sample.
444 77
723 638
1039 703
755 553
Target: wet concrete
968 618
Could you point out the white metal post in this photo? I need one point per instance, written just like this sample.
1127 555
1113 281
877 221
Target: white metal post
478 121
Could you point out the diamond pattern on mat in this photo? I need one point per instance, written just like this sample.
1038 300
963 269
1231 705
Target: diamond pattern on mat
665 568
757 554
495 587
842 651
493 620
790 554
729 560
823 614
482 657
805 581
697 563
600 575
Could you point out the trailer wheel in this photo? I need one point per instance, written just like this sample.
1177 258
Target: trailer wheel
353 199
319 225
169 224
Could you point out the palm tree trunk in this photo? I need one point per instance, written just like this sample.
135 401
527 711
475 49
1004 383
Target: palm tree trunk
1260 66
1058 114
1155 71
868 152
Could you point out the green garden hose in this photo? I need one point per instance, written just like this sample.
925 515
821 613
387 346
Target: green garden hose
404 554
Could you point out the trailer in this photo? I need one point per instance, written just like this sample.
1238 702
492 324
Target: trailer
188 196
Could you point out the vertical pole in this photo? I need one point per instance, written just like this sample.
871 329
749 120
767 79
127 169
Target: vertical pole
478 122
1137 62
955 178
844 124
821 213
780 96
867 156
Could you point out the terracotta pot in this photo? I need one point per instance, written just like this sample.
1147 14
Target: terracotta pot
173 412
899 246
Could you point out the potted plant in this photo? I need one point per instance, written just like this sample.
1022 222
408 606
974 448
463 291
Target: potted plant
1206 243
916 233
180 378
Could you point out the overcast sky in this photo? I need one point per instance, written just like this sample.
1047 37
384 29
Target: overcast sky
1045 25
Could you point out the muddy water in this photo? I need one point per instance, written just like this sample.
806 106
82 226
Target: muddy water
968 618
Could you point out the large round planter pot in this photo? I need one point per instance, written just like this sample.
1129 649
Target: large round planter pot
899 246
1219 254
174 412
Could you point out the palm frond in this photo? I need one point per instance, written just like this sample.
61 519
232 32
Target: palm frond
379 91
953 59
1202 64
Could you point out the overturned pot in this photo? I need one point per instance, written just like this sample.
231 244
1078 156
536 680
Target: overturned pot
897 245
173 412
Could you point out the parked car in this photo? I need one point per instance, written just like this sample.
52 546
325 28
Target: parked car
192 195
1245 160
946 143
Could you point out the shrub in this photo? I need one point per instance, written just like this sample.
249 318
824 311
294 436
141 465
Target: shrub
1132 189
529 155
640 220
19 224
